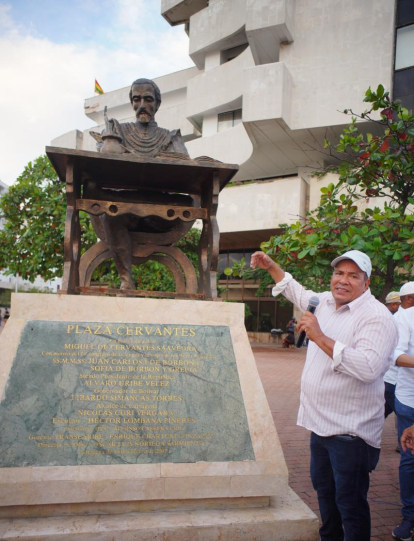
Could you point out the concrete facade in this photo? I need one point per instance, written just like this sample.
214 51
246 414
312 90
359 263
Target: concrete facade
290 67
284 198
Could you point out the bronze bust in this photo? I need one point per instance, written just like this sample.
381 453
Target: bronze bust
143 193
143 138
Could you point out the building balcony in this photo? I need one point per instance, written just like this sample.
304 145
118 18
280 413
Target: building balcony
217 90
259 144
269 23
230 146
180 11
173 118
267 93
226 24
275 202
219 26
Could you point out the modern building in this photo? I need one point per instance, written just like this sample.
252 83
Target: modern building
271 78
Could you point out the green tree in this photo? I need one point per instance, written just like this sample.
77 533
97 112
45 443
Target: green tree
32 239
376 165
34 207
31 243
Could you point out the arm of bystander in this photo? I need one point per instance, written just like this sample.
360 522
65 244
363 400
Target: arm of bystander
407 439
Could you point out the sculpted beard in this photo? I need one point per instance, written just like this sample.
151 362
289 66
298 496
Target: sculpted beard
146 117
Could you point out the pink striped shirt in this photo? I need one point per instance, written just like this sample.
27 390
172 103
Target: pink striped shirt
345 395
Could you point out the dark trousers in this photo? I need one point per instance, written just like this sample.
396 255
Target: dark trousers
340 467
389 396
405 418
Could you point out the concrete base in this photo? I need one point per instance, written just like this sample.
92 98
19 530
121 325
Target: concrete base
240 500
287 518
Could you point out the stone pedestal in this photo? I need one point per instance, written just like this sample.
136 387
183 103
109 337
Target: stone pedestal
138 419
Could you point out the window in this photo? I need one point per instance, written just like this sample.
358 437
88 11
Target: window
229 120
404 50
251 320
267 319
404 87
228 259
404 54
263 313
405 12
263 316
223 262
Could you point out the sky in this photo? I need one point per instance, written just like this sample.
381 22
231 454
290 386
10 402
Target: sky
51 52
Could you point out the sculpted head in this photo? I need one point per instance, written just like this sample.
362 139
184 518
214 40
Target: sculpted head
145 97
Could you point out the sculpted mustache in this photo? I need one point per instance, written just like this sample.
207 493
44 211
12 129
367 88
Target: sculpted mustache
142 110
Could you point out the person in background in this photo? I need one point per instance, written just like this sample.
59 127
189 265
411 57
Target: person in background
407 295
291 326
404 409
288 341
6 315
393 303
352 337
407 439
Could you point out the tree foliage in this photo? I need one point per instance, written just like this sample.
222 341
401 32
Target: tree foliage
34 207
32 239
377 165
31 243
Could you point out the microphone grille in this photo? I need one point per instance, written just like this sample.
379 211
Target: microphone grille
314 301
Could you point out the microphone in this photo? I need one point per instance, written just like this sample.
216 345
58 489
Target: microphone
313 303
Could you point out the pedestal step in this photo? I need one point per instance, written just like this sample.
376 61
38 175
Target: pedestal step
288 519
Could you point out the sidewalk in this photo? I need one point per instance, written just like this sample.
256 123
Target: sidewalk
280 371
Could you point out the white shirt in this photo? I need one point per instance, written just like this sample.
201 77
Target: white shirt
345 395
405 381
392 373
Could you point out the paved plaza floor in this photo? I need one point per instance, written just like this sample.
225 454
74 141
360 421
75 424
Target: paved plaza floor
280 371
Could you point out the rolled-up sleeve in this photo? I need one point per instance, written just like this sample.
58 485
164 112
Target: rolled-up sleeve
337 353
281 286
369 356
293 291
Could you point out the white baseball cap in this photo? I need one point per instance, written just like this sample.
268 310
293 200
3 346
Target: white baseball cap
361 259
407 289
393 296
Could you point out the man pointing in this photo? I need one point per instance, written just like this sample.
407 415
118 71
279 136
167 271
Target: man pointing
342 392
